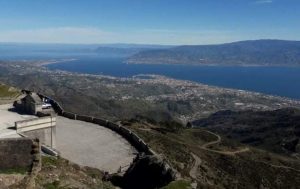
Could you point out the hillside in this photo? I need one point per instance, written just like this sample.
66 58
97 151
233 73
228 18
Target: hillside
8 94
63 174
276 131
125 50
149 107
213 161
258 52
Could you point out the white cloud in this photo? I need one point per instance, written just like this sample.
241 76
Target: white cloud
56 35
263 1
88 35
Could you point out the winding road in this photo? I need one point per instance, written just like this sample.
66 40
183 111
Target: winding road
195 166
219 139
198 161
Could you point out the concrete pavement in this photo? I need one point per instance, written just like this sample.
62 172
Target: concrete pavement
8 119
92 145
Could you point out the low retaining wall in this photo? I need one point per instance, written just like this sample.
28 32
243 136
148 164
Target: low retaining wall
131 137
85 118
69 115
100 122
56 106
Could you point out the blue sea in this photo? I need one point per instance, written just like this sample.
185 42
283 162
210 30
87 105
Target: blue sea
280 81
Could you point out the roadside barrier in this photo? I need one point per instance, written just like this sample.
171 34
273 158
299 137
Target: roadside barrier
131 137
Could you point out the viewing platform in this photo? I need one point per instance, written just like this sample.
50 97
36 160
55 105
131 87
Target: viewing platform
84 143
8 117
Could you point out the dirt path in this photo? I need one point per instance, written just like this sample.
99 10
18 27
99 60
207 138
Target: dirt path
195 166
230 153
280 166
205 146
219 139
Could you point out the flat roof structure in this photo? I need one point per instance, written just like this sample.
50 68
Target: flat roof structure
8 119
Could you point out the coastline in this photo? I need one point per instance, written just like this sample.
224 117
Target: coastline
45 63
212 65
199 79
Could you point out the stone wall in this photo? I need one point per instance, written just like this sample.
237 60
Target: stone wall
158 173
84 118
131 137
69 115
16 154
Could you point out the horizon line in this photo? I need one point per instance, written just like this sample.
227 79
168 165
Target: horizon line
146 44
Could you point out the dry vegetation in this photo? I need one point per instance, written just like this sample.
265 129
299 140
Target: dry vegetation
223 164
7 93
62 174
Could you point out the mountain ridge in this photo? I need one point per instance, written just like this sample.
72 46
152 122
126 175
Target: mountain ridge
245 53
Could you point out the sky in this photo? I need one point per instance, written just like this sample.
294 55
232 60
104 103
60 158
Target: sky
173 22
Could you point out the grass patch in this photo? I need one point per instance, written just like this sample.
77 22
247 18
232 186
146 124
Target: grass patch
94 173
54 185
7 92
20 170
46 161
180 184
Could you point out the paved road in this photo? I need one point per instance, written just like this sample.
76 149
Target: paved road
92 145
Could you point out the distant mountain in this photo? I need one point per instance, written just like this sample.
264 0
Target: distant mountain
277 131
257 52
136 46
126 50
44 50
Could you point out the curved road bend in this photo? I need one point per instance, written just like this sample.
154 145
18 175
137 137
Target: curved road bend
91 145
205 147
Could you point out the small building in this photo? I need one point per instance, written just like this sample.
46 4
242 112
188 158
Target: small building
30 104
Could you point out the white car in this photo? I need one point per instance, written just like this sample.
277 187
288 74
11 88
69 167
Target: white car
46 106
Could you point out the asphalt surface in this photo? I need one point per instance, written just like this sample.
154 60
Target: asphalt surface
92 145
